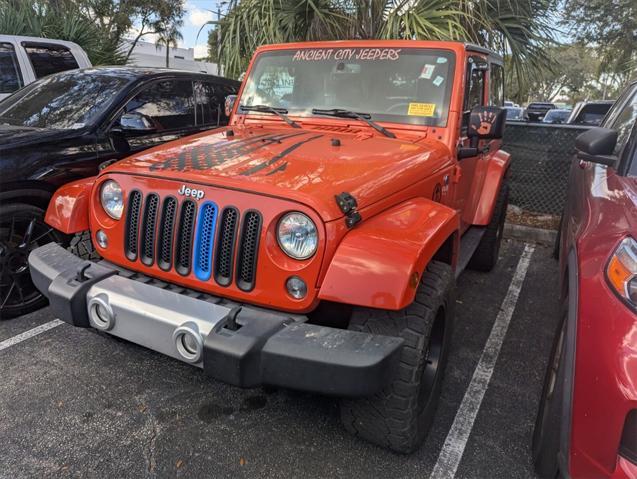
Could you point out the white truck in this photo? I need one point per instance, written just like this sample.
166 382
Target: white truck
25 59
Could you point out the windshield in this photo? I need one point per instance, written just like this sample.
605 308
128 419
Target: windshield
64 101
399 85
557 116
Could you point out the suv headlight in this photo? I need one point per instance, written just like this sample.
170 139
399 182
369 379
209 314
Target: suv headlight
297 235
111 199
622 271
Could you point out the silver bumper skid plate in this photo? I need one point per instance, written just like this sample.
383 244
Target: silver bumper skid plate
238 344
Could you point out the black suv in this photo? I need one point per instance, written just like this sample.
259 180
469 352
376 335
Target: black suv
62 127
537 109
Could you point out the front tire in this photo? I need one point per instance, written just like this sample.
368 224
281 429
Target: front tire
485 256
547 431
22 229
400 416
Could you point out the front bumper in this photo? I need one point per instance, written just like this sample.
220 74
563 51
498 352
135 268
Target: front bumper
238 344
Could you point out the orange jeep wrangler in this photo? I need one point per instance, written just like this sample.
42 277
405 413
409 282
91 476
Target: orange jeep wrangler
313 243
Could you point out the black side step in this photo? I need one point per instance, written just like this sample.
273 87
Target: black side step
468 244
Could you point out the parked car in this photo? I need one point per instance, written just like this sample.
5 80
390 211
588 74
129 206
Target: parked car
314 243
535 111
514 113
61 128
590 112
25 59
556 116
587 422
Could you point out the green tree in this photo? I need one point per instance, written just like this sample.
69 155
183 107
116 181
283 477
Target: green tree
611 27
574 76
64 20
169 35
521 27
98 26
151 16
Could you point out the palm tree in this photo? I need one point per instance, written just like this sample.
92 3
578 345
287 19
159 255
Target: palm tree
168 36
521 28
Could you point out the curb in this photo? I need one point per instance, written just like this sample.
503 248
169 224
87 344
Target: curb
528 233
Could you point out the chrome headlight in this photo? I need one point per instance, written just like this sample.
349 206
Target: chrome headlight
297 235
111 198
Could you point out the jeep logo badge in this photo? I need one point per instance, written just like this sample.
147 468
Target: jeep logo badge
192 192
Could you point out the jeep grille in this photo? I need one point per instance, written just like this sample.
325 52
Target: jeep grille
183 236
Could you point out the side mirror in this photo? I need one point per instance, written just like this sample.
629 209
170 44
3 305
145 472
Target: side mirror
486 123
229 104
597 145
136 122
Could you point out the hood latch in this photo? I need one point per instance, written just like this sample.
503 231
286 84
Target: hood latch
347 203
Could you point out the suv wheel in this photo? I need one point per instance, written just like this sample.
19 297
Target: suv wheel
400 416
546 434
22 229
485 256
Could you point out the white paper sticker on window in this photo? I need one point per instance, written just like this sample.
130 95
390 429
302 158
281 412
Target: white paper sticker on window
427 71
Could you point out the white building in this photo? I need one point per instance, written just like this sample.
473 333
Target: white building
146 54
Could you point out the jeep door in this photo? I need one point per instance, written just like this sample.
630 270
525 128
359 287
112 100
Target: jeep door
469 187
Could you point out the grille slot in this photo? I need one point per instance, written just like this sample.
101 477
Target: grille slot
248 249
204 240
132 225
147 243
183 248
225 245
165 243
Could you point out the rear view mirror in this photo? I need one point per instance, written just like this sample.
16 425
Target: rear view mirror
597 145
229 104
486 123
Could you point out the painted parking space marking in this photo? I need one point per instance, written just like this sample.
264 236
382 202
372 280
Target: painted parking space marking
7 343
454 446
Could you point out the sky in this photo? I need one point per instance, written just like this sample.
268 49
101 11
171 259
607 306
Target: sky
197 13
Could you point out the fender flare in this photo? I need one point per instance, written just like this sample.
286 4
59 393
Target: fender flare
496 171
379 263
69 207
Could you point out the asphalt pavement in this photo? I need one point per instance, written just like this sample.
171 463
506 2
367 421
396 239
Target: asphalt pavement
74 403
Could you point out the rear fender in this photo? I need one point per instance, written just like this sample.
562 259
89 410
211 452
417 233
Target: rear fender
379 263
69 207
496 170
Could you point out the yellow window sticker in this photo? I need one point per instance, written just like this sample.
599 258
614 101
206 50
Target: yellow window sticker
421 109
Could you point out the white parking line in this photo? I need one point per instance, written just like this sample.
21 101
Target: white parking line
453 448
7 343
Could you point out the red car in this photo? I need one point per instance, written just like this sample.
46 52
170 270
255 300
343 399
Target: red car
587 420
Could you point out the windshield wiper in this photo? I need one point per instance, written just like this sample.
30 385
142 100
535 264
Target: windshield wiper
281 112
342 113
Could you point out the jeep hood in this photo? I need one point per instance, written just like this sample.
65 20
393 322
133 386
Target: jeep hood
310 166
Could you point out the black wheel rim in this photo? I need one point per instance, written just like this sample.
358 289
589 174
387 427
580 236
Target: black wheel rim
20 233
433 355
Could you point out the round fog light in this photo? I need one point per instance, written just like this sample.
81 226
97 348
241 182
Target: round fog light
102 239
296 287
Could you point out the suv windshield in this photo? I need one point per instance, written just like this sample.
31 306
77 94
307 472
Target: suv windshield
63 101
398 85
